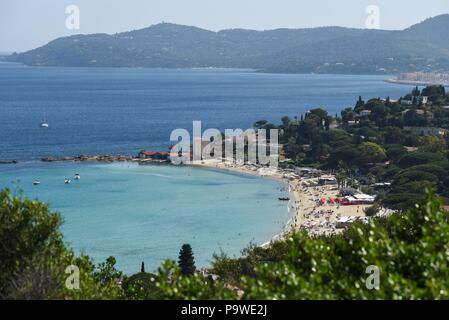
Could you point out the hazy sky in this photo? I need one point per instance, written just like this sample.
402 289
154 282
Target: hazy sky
26 24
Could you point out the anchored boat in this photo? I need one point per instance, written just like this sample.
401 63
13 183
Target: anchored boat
44 124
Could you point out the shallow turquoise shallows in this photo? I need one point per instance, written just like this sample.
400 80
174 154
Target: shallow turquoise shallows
145 213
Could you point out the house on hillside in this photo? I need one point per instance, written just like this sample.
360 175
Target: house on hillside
352 123
365 113
405 102
427 131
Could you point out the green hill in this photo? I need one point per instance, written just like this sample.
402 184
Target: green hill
422 47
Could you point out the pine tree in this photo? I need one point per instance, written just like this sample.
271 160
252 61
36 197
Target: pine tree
416 92
360 103
142 267
186 260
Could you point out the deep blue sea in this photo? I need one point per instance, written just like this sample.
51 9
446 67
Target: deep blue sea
120 110
145 213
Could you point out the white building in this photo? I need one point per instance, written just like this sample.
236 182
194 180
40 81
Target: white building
365 113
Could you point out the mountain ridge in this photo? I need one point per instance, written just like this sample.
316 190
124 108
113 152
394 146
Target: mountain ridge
421 47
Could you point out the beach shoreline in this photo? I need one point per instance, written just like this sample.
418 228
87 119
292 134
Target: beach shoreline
306 209
293 210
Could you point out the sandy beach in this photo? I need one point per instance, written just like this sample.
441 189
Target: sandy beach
318 218
306 210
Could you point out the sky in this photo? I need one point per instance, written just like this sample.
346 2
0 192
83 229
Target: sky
27 24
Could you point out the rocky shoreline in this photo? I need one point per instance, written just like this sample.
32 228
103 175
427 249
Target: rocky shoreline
8 161
100 158
89 158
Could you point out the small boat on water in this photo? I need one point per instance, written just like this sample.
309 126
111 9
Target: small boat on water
284 199
67 181
44 124
77 177
36 182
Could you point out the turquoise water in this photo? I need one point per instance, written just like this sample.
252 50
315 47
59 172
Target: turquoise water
145 213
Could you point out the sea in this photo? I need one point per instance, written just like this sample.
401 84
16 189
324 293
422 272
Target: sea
146 213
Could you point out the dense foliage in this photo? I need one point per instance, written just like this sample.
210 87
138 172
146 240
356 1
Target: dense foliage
409 249
380 140
34 258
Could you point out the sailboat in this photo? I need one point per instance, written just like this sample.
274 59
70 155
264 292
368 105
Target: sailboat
44 124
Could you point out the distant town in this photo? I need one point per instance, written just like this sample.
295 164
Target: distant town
422 78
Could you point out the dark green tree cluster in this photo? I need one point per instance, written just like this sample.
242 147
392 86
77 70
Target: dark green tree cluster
380 140
35 261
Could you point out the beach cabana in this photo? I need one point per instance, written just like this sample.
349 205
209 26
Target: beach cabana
349 200
364 198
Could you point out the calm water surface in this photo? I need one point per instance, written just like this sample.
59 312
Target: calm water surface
113 110
145 213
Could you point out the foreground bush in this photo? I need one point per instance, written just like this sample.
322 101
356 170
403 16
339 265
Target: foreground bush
410 249
34 258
